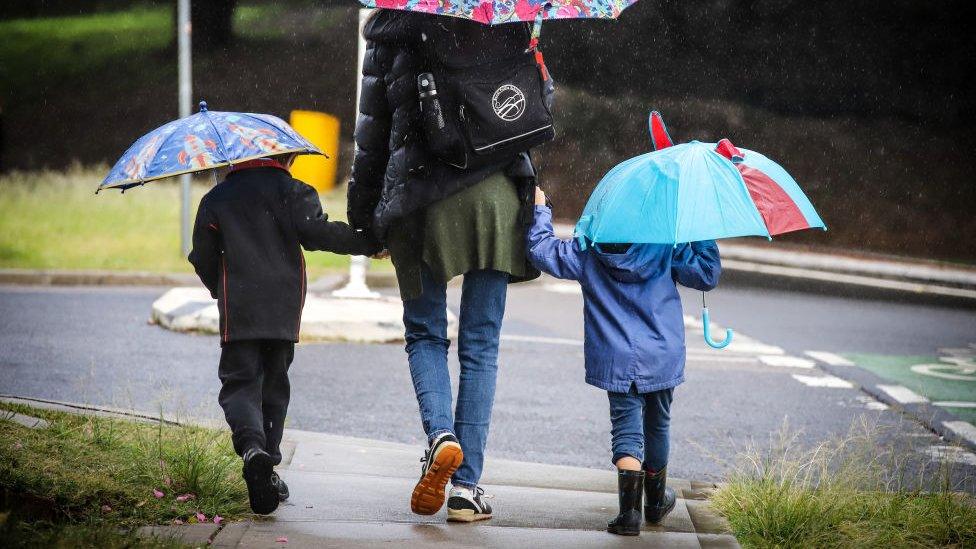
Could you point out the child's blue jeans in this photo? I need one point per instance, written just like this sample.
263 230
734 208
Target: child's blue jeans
640 425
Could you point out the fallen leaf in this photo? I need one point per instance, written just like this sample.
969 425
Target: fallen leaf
282 539
185 497
201 517
140 504
218 519
18 445
106 509
158 494
177 522
167 481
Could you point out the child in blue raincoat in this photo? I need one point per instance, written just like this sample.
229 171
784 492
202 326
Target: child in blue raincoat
634 346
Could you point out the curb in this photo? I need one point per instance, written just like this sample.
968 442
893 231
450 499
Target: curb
57 277
60 277
932 417
743 261
78 408
918 277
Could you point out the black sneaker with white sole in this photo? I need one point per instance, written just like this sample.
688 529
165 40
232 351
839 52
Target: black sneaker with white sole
467 505
261 490
442 458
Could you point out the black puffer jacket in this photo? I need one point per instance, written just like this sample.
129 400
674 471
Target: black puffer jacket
392 174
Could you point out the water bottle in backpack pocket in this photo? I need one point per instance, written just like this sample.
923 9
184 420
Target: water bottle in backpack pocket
441 137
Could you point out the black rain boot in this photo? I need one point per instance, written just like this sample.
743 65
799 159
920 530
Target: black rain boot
630 485
660 499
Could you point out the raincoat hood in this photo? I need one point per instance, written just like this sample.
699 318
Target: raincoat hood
637 264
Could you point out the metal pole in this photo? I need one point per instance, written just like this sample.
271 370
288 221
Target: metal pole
358 264
183 31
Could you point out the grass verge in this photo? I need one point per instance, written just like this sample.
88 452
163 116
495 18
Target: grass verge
54 220
851 493
97 478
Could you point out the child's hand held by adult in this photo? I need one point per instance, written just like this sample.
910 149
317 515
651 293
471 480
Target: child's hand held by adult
540 197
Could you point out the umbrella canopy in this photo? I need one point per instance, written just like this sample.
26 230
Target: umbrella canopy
691 192
495 12
203 141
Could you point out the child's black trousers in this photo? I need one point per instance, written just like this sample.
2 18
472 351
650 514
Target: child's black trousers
254 392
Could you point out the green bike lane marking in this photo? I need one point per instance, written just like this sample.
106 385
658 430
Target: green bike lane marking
935 379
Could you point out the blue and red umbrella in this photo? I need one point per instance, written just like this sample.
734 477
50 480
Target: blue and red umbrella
783 206
691 192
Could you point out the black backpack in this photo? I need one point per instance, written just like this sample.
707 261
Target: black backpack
484 97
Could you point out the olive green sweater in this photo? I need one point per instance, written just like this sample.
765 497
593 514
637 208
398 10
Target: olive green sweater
477 228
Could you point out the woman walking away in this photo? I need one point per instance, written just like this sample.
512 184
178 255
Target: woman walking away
442 216
634 347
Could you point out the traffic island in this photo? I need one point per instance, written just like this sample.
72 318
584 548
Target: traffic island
377 320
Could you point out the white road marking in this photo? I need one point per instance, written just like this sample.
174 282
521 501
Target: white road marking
786 361
828 358
542 339
963 429
563 288
872 403
823 381
742 344
903 395
693 355
955 404
710 358
950 453
965 372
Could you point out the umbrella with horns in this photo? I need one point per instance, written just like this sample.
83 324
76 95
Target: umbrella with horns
690 192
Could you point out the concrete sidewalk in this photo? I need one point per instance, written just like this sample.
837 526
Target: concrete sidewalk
349 492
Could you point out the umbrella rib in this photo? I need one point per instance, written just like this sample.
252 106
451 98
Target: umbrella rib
285 131
220 140
159 148
677 207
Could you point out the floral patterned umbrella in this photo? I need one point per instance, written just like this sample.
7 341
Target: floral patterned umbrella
494 12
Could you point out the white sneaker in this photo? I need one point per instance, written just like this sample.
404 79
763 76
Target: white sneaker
467 505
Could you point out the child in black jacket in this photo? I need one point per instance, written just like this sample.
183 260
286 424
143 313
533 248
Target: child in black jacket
247 249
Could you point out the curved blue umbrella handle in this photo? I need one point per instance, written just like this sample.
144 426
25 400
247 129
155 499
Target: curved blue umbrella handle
708 333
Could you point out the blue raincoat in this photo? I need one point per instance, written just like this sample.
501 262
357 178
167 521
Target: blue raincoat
633 323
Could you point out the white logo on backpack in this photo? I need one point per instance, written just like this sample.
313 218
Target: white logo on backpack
508 102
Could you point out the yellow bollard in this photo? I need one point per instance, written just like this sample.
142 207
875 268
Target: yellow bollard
323 131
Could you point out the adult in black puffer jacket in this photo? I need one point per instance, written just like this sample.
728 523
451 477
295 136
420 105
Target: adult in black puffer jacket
439 222
392 174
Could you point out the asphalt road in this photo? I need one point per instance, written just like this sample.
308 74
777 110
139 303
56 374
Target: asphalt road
94 345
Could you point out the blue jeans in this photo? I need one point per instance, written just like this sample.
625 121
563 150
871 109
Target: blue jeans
640 425
425 318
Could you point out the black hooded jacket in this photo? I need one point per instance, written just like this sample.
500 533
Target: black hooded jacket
247 249
392 174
